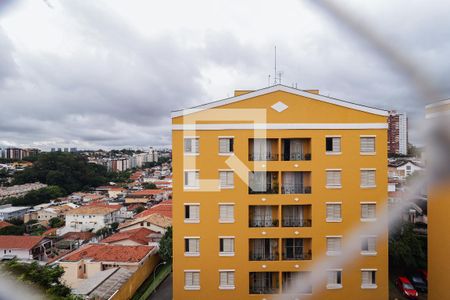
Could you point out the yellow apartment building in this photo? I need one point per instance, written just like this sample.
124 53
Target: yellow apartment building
438 116
272 189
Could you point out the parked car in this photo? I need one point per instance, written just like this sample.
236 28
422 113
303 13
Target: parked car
424 274
407 289
418 282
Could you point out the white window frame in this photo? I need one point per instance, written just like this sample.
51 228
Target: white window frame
192 153
340 145
334 252
369 186
191 187
228 171
333 220
191 220
369 285
374 152
226 153
192 287
334 286
226 220
227 253
369 252
192 253
333 186
227 286
361 212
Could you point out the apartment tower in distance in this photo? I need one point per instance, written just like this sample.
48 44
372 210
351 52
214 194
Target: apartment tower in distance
397 133
269 185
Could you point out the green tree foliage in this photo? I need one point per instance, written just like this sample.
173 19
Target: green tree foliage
139 209
114 226
56 222
37 197
149 185
165 246
13 230
71 172
406 249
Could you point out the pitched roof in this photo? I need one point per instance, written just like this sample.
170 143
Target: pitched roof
73 236
402 162
155 219
283 88
19 241
92 210
110 253
139 235
147 192
164 208
4 224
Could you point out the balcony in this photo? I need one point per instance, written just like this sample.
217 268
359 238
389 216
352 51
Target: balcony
297 249
295 149
263 149
296 216
263 216
263 183
296 183
263 249
264 283
296 283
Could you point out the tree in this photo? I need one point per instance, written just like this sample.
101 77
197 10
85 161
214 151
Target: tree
149 185
114 226
56 222
37 197
13 230
139 209
165 246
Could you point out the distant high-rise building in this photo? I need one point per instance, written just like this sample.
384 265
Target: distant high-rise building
53 150
397 133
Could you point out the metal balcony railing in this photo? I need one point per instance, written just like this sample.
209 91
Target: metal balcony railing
263 223
263 290
255 256
296 222
261 189
295 189
296 256
262 157
296 156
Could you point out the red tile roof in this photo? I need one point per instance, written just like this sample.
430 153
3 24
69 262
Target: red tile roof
110 253
139 235
19 241
147 192
83 236
164 208
4 224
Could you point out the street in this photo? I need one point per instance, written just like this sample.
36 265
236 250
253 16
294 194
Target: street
164 291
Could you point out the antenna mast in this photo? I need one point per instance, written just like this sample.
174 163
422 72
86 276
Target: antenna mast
275 74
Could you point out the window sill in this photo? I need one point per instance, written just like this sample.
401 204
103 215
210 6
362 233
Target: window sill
226 187
226 221
192 288
226 287
333 153
191 188
193 254
333 187
334 253
369 220
368 253
226 254
191 221
368 186
334 286
368 153
226 154
191 154
334 220
368 286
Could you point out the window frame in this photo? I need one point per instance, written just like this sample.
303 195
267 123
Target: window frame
370 219
372 285
227 286
189 220
186 243
231 150
192 287
369 252
197 179
337 285
368 186
374 137
334 252
333 220
333 186
332 152
228 171
222 245
226 220
197 138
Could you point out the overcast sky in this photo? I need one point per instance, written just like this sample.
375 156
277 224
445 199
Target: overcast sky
106 74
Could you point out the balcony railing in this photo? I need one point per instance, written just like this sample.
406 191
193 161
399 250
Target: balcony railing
263 223
262 156
295 189
263 257
259 189
296 222
296 156
263 290
297 256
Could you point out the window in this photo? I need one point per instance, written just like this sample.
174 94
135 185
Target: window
226 179
368 279
368 245
334 279
191 280
368 212
191 246
226 279
334 178
226 145
333 145
368 178
367 145
334 212
226 246
191 179
334 245
191 145
191 213
226 213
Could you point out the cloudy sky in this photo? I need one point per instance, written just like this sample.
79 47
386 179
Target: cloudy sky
106 74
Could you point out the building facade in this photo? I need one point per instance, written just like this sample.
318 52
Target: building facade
271 183
397 133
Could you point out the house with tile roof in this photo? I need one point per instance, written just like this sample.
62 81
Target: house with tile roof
25 247
147 195
164 208
155 222
134 237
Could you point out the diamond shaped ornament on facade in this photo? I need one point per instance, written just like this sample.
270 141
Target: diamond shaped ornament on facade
279 106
